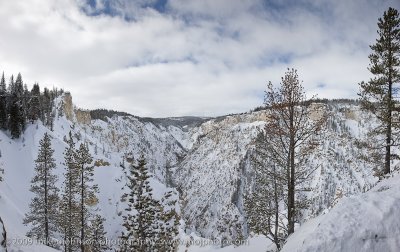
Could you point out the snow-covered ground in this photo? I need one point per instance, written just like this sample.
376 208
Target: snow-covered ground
365 222
208 162
108 142
17 160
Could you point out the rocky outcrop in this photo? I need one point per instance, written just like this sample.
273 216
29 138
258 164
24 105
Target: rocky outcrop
68 106
73 114
83 116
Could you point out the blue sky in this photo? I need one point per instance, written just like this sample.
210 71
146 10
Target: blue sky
180 57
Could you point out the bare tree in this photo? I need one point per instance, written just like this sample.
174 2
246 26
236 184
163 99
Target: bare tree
283 155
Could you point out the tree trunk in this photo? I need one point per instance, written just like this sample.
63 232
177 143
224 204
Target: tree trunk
82 212
276 202
291 182
46 204
291 194
70 240
389 126
387 154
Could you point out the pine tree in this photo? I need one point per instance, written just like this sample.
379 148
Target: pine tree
97 235
21 94
13 110
139 219
43 209
14 121
34 103
3 103
168 223
47 115
87 190
377 95
17 120
69 223
11 85
25 105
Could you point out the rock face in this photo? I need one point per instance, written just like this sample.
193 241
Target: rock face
72 114
83 116
211 176
129 138
216 171
68 106
208 161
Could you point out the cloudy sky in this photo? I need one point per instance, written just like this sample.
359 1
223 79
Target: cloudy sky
187 57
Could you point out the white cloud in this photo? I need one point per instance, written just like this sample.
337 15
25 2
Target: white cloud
199 58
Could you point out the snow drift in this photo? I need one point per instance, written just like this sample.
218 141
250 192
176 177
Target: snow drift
366 222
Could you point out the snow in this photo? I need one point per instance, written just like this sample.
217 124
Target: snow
366 222
208 162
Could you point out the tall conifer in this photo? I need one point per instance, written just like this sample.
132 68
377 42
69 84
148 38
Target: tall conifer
43 212
378 94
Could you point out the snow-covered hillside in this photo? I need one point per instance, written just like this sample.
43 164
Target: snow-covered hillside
17 159
217 169
365 222
207 162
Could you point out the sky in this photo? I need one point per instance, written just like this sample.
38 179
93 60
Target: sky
163 58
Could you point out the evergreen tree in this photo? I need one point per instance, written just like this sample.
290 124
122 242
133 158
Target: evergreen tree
25 105
69 223
21 93
13 110
43 212
97 235
11 84
47 108
139 219
87 190
34 103
14 121
3 103
168 223
17 120
377 95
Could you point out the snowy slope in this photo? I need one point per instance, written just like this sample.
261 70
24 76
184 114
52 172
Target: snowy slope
207 162
217 170
366 222
17 159
210 176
